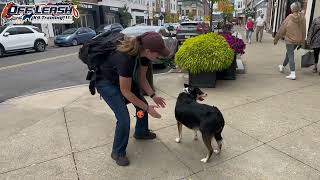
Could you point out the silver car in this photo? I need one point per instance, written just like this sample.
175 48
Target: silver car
170 42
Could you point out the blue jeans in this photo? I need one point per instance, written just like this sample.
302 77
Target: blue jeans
112 95
249 35
290 56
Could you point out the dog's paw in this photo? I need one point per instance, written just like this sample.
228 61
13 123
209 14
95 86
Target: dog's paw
216 151
204 160
195 138
178 140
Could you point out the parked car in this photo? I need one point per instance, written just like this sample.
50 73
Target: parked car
74 36
170 42
21 38
109 27
172 28
191 29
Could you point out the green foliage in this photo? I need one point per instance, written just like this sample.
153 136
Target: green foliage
75 2
125 16
205 53
249 12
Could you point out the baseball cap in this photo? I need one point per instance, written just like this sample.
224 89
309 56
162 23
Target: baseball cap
154 42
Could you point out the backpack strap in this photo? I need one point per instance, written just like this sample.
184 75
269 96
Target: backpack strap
136 70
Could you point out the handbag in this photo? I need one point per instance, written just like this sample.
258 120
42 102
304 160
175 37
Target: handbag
305 45
307 59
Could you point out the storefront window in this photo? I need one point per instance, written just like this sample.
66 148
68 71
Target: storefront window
85 20
110 18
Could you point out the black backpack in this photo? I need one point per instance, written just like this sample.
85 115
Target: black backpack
95 52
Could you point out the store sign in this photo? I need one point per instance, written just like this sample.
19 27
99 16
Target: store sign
57 13
114 9
86 6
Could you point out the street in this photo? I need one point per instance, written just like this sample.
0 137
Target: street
35 72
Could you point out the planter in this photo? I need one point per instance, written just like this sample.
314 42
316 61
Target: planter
230 73
203 80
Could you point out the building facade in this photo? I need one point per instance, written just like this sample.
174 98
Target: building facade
137 8
193 9
239 7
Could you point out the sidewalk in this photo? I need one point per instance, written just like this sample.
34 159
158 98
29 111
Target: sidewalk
272 130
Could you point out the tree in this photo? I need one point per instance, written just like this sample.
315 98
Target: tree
227 10
211 2
125 16
249 13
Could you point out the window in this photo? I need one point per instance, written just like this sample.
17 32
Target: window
82 30
88 30
36 29
23 30
12 31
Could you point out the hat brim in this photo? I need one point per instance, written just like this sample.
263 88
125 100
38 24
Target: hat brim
165 52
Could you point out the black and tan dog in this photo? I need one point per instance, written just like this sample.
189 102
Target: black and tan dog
207 119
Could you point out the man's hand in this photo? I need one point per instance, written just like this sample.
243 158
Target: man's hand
153 112
159 101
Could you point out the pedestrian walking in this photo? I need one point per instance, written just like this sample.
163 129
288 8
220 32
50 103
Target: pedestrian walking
260 26
293 29
249 29
120 80
313 41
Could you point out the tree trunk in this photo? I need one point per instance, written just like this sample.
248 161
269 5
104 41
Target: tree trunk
211 11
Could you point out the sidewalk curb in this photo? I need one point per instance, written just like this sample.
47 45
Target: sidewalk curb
44 92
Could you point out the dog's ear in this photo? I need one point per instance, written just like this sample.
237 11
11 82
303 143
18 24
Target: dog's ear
186 85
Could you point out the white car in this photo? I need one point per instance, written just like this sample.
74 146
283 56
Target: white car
21 38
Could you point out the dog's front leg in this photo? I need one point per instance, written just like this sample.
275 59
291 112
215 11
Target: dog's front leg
195 135
178 139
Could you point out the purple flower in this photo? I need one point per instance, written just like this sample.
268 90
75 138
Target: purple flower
235 43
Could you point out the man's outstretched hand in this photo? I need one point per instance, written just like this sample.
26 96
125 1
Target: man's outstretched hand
159 101
153 112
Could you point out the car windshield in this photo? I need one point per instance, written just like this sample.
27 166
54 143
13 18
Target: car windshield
70 31
2 28
136 31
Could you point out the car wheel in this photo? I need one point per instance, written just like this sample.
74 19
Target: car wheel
1 51
74 42
40 46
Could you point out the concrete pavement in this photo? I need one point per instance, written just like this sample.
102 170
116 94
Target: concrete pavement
272 130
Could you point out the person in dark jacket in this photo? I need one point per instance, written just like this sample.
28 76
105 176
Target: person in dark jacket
121 81
313 41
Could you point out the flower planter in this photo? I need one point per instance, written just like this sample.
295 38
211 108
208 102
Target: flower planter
230 73
203 80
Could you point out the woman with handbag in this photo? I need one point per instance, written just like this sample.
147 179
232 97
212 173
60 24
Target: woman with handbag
293 29
249 29
313 41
